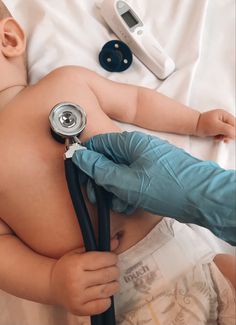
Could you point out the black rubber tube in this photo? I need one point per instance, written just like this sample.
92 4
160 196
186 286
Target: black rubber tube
103 210
72 176
104 238
103 204
80 208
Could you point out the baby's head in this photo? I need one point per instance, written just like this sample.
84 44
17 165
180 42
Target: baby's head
4 12
12 45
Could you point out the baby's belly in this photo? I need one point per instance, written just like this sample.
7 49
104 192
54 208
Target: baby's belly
35 202
37 206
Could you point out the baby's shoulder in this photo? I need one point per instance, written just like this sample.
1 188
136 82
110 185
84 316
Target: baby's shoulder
68 74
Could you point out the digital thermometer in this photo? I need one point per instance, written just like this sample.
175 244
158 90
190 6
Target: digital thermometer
125 23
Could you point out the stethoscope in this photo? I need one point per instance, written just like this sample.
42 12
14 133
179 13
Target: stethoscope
67 121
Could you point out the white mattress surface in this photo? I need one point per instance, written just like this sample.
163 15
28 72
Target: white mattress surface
198 35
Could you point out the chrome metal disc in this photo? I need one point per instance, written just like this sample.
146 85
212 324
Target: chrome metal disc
67 119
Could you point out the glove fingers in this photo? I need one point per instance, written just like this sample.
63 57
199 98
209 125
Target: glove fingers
90 192
118 205
122 148
83 178
121 206
104 171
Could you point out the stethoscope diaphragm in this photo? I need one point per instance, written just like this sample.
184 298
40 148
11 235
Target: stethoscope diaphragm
67 120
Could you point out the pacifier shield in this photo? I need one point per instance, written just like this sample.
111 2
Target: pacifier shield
115 56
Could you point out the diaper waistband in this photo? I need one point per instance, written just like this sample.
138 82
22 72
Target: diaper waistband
168 251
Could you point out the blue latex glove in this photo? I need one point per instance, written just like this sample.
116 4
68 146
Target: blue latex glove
145 171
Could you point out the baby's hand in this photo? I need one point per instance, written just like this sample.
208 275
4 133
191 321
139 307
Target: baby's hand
84 282
218 123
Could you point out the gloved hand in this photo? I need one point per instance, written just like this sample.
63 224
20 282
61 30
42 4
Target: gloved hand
147 172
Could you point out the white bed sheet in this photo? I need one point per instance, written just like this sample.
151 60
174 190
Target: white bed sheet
198 35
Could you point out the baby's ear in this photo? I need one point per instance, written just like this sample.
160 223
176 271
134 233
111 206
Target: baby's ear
12 38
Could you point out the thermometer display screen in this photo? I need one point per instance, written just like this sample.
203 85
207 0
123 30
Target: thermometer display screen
130 20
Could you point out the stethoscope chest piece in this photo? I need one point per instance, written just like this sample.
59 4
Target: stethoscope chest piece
67 120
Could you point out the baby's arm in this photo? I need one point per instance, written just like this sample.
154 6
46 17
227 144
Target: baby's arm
22 272
152 110
80 282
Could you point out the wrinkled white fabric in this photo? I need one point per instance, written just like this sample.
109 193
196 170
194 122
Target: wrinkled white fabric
168 278
198 35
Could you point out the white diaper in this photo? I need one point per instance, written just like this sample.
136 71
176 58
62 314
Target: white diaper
169 278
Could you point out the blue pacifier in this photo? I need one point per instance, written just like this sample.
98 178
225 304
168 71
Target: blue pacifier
115 56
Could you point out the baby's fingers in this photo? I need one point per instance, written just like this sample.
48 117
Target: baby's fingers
221 137
226 130
93 261
103 276
97 299
95 307
102 291
228 118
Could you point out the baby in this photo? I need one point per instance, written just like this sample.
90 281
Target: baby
39 232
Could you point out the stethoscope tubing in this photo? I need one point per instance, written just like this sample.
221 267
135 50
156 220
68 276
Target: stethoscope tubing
103 208
72 177
72 173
